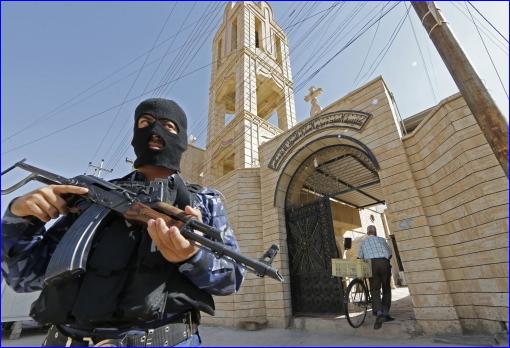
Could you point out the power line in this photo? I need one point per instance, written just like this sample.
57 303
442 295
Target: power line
93 116
380 57
286 54
488 53
422 59
496 40
126 130
134 82
168 49
327 46
368 52
493 27
305 4
187 45
315 14
167 83
350 42
358 35
327 43
124 145
59 109
205 123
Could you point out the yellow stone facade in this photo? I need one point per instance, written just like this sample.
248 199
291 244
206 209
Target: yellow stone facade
445 193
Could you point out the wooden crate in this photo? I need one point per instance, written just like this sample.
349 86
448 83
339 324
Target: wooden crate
351 268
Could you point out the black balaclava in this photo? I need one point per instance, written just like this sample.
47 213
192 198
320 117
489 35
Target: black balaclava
175 144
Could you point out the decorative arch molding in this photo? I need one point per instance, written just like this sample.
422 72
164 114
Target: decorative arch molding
351 119
335 140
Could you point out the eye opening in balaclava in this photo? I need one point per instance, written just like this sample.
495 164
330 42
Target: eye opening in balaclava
174 144
161 120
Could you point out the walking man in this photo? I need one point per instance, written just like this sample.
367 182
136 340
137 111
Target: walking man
377 250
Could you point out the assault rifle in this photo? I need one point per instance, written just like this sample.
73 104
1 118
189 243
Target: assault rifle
70 256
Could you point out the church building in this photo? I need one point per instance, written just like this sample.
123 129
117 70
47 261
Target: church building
430 184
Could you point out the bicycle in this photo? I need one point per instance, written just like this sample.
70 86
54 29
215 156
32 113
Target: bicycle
357 300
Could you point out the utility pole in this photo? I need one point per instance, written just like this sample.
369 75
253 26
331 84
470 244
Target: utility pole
131 162
484 109
99 169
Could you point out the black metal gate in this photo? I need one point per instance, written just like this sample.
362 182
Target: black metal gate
311 243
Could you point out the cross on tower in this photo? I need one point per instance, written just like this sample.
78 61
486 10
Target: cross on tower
312 98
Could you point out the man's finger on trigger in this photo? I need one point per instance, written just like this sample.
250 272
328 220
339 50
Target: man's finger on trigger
71 189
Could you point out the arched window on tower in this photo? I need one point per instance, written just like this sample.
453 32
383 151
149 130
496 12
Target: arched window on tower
268 45
233 35
258 33
278 44
218 55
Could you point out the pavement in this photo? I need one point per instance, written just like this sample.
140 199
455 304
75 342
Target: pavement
404 325
225 337
321 331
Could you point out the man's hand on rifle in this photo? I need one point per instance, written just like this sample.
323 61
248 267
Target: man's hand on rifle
169 240
45 203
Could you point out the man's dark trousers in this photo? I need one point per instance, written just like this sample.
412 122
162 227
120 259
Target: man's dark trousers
381 274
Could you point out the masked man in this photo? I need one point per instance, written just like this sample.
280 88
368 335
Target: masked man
142 286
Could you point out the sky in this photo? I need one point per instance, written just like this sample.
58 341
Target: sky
73 72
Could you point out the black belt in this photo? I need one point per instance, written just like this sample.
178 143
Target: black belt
163 336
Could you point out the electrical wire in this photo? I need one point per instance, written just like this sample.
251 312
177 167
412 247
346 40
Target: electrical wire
357 36
124 145
58 109
493 27
133 83
423 60
496 40
380 57
367 54
488 53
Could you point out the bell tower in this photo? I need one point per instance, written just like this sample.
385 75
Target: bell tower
251 97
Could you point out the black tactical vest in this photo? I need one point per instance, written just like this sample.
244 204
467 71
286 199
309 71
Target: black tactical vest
127 280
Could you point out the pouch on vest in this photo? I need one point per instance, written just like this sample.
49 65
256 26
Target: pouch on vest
53 306
107 270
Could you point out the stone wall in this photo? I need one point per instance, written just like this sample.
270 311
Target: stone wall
241 195
192 164
464 193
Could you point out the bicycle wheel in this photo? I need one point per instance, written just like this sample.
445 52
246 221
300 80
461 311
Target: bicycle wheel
356 302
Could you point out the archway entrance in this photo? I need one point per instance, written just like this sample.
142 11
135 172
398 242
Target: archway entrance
329 185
